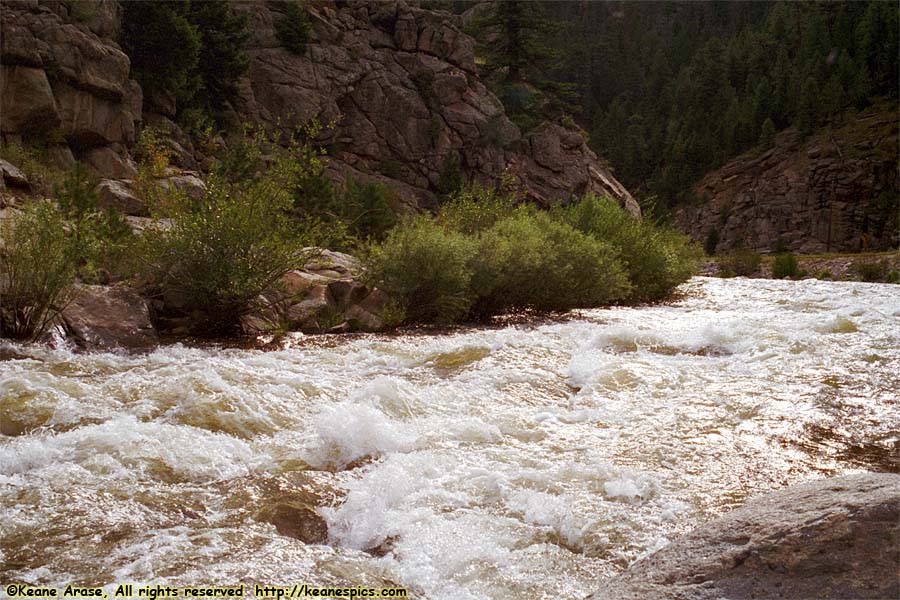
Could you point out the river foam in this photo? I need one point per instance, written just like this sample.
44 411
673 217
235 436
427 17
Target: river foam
526 461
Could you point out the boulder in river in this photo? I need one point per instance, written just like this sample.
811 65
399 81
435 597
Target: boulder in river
828 539
108 317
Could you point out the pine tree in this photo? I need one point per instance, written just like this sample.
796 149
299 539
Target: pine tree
516 30
767 134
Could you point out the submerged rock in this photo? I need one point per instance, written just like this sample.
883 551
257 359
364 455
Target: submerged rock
834 538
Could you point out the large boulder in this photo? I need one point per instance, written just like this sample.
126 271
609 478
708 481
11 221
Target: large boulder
108 318
828 539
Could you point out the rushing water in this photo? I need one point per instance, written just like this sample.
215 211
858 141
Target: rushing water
531 461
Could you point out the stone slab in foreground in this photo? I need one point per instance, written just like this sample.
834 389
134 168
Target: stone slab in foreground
828 539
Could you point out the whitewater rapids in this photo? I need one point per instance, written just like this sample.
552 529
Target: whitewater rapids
529 461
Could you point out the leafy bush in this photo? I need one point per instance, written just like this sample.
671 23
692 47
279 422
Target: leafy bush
101 237
477 208
294 29
528 260
427 268
38 263
34 164
785 265
877 271
656 259
219 254
742 262
483 255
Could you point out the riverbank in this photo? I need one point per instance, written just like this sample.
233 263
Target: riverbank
870 266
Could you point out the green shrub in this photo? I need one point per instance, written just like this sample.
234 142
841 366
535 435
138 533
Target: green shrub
38 263
427 268
33 162
742 262
528 260
876 271
656 259
367 208
892 277
220 253
477 208
823 274
294 29
785 265
101 237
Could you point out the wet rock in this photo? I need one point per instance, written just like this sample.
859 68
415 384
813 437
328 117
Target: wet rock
834 538
290 502
109 317
314 312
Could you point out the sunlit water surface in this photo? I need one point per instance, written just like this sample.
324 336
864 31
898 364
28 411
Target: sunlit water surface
531 461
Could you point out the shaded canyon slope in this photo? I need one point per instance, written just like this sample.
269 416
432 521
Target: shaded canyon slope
836 191
399 82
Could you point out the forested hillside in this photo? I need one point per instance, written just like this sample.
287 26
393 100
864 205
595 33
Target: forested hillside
670 91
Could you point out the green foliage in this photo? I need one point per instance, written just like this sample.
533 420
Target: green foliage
742 262
477 208
294 29
451 177
873 271
101 237
428 268
656 259
164 47
194 50
515 32
35 164
668 102
483 255
38 264
367 209
785 265
219 254
530 261
221 59
767 134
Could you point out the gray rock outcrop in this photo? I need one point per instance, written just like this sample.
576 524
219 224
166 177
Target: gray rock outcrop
829 539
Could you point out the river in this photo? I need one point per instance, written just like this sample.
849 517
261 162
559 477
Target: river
528 461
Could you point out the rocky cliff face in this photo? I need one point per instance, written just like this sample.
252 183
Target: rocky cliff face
836 192
65 81
402 87
399 82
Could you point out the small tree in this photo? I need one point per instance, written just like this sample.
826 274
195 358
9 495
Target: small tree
767 134
294 29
